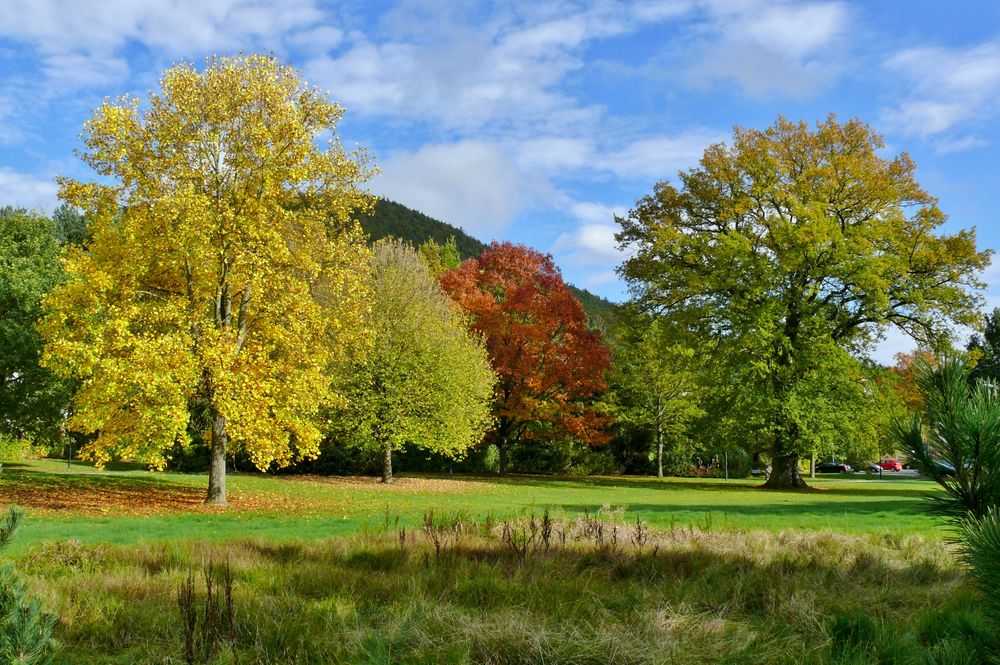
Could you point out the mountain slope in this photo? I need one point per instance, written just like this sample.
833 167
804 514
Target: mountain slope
394 219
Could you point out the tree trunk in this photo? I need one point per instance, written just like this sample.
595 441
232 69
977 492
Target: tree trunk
217 464
659 451
659 437
502 450
785 473
387 466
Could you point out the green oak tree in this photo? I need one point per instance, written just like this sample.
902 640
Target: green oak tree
427 381
32 398
791 250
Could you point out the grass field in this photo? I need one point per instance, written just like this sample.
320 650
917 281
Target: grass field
482 570
136 506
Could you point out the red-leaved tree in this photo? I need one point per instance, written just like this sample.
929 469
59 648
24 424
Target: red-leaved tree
550 364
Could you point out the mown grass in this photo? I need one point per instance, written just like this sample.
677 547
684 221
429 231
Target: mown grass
591 590
133 506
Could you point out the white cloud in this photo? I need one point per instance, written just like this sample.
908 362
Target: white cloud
178 27
554 153
27 191
590 250
659 157
589 244
505 72
767 47
82 45
471 184
946 91
317 40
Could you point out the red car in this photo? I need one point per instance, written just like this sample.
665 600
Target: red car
890 465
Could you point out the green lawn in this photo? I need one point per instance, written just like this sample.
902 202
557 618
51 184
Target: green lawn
134 506
345 570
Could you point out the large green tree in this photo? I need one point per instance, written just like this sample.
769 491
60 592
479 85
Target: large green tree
791 250
32 398
427 381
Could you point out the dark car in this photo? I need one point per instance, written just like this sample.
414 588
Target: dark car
833 467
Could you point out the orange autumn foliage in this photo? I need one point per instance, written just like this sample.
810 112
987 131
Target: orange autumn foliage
906 382
550 364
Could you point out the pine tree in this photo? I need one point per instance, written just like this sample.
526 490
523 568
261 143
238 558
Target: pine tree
25 629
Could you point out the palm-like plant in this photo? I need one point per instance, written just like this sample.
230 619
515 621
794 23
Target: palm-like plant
956 439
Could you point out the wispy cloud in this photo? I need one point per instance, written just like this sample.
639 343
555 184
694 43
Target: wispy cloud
27 191
471 184
947 93
766 48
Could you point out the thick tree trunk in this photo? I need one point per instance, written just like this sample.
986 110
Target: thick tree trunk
217 462
785 473
387 466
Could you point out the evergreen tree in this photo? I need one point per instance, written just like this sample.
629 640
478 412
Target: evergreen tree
25 629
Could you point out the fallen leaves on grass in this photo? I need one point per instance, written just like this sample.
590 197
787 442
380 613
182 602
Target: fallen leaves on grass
97 495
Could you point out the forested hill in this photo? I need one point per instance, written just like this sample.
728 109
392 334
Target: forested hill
394 219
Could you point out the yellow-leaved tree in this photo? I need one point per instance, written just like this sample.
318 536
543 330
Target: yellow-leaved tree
224 271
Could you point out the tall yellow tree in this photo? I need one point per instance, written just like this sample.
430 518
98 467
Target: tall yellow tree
224 267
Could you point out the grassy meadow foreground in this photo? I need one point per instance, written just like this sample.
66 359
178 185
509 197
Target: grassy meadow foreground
473 570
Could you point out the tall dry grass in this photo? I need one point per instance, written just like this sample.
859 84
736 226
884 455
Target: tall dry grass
598 589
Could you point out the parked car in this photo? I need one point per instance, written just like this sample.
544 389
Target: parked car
833 467
875 468
945 468
890 465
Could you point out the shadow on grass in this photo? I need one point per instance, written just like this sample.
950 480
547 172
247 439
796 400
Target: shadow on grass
684 484
793 513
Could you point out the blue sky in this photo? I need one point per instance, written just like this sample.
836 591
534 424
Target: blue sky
537 122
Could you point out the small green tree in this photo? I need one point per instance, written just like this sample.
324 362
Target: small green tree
440 258
25 629
70 225
427 381
655 382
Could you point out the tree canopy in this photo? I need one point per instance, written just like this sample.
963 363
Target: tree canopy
656 382
224 264
427 381
549 364
32 398
791 250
